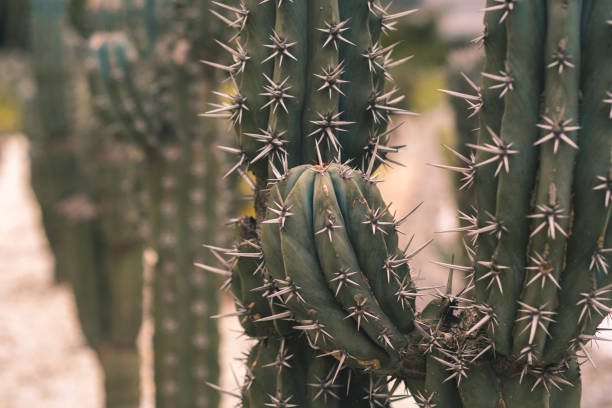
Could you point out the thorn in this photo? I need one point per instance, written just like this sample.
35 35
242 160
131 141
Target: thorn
360 311
550 215
277 92
327 128
506 5
334 33
560 58
500 149
343 278
505 81
494 274
223 390
536 317
330 225
280 48
273 147
332 79
283 315
544 271
558 132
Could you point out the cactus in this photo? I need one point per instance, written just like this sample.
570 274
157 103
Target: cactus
326 243
151 89
90 219
308 86
300 81
540 268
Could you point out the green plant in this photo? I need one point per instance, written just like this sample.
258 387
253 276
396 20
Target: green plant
290 73
307 86
539 282
281 367
150 87
91 220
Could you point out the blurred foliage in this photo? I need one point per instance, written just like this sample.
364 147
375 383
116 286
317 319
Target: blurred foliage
16 90
422 75
14 23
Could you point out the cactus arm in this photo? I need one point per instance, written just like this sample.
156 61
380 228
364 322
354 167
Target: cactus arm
300 262
337 255
590 227
321 304
485 182
134 96
554 178
322 54
371 257
525 30
112 88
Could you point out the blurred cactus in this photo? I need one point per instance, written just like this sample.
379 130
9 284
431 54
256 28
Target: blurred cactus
150 88
91 219
14 18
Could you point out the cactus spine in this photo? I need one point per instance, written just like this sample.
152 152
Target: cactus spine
152 86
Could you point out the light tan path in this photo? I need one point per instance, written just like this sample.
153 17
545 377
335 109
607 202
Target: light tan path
44 361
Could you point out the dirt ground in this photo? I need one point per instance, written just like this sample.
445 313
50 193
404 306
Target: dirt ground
44 361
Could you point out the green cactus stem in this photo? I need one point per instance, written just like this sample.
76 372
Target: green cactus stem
308 79
90 219
540 262
153 90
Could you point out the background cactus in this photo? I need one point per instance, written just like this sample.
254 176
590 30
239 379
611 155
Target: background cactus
91 220
14 16
152 85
